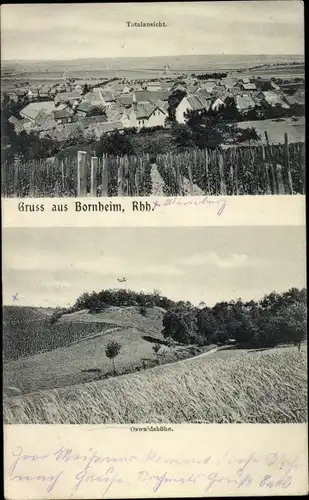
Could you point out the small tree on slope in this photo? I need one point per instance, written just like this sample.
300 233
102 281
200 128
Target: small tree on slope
112 350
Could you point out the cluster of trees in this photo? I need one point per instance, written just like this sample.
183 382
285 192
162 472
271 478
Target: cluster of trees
204 130
210 76
98 301
276 319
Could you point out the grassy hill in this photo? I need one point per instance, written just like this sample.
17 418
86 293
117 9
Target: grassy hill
41 355
28 330
266 386
81 357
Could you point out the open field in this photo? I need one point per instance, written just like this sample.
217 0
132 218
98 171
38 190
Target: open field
264 386
40 72
277 128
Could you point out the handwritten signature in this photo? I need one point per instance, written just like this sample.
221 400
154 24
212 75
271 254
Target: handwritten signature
220 203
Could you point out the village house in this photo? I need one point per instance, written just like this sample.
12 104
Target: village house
297 98
147 114
208 85
96 130
222 101
44 92
244 103
23 125
140 96
90 120
34 109
21 93
153 86
229 82
125 100
72 98
13 96
119 113
274 99
248 87
199 101
179 86
32 94
122 88
44 125
63 115
99 97
14 121
244 80
162 95
83 109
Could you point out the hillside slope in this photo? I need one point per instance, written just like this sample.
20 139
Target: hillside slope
28 331
266 386
84 338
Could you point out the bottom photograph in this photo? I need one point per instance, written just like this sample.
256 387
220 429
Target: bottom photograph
154 325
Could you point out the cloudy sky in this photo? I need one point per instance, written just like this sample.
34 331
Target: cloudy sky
53 266
66 31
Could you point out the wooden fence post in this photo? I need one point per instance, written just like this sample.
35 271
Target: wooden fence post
279 178
136 176
4 180
93 180
266 166
235 164
190 174
32 180
206 187
120 175
221 173
271 165
302 168
81 173
287 163
16 179
104 191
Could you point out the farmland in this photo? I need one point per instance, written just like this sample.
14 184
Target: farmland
267 386
41 355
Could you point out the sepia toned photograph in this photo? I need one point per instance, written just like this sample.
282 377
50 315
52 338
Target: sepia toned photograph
119 326
168 99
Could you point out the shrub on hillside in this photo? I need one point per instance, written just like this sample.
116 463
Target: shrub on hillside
143 310
115 144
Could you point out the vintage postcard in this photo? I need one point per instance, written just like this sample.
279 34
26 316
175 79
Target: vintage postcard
154 250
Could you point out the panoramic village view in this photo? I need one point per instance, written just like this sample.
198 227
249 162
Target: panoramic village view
154 124
167 122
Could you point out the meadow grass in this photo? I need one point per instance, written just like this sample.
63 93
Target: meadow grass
254 387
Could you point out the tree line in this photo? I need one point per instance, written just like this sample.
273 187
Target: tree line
277 318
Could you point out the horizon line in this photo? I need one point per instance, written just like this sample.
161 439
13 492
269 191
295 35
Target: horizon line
154 56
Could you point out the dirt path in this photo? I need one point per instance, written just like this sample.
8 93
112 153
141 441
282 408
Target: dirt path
157 182
104 332
196 191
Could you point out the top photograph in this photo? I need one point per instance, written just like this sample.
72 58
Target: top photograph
139 99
